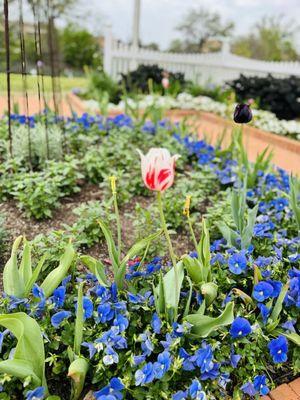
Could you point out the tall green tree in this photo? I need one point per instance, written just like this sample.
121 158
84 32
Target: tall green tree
79 48
199 26
271 39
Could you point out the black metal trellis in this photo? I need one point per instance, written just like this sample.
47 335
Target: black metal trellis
48 18
40 73
7 50
24 78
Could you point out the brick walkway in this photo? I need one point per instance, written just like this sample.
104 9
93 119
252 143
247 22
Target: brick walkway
68 103
285 392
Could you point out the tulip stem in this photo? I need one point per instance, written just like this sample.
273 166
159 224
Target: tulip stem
165 229
192 233
117 214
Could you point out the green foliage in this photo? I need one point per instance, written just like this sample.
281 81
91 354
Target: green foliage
101 84
19 281
243 217
29 355
204 325
278 95
148 77
294 198
79 47
33 143
39 192
271 39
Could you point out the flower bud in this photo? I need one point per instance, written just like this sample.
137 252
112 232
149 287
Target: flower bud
242 114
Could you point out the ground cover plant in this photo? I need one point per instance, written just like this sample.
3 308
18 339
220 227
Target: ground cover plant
200 302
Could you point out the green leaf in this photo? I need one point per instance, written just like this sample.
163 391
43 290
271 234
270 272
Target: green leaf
96 267
78 333
194 268
278 305
112 250
25 269
159 295
203 325
135 249
171 300
188 303
12 281
209 291
29 356
229 235
35 275
247 233
77 372
293 337
58 274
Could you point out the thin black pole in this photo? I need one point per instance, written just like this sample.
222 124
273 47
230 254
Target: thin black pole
24 77
7 49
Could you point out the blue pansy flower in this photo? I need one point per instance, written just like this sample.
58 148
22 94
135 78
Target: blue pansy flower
2 336
59 317
240 328
264 311
58 297
105 313
88 307
144 375
162 365
248 388
203 358
137 360
111 391
111 356
278 349
92 349
147 345
188 360
237 263
37 394
121 322
262 291
156 323
260 385
181 395
195 390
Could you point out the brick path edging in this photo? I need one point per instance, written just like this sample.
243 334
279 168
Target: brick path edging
289 391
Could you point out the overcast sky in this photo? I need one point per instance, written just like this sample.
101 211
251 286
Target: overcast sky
160 17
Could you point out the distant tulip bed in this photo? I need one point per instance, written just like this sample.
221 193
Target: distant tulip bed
202 304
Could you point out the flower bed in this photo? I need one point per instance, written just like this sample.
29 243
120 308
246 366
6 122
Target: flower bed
264 120
119 324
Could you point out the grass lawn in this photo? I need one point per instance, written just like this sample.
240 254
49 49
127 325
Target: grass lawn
67 84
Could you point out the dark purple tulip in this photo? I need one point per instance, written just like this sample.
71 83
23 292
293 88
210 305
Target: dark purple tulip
242 114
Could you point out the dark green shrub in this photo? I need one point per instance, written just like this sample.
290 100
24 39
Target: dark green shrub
279 96
138 80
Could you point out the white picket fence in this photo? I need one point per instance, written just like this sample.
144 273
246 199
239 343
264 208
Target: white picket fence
216 68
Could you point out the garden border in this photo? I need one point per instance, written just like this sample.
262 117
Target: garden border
285 391
286 151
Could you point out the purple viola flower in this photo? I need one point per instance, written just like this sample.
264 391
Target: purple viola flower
237 263
234 358
240 328
59 317
262 291
260 385
278 349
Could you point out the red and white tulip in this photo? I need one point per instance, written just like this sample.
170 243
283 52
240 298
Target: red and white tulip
158 169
